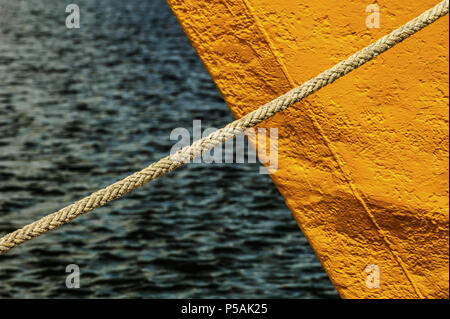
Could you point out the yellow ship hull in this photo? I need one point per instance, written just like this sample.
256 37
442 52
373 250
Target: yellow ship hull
363 163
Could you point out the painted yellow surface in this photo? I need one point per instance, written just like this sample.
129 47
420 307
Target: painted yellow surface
363 163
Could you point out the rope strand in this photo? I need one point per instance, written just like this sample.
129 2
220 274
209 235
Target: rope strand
170 163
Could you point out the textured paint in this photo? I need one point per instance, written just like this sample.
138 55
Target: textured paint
363 163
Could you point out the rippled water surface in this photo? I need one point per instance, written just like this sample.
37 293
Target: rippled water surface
81 108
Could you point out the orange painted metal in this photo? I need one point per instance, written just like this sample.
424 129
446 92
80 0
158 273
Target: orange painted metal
363 163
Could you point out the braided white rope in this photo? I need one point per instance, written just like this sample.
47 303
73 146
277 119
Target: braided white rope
169 163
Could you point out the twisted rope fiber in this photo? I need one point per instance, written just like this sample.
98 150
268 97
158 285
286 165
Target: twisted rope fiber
170 163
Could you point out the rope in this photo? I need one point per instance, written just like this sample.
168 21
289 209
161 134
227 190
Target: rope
170 163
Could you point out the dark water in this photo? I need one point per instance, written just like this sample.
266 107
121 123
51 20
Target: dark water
81 108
